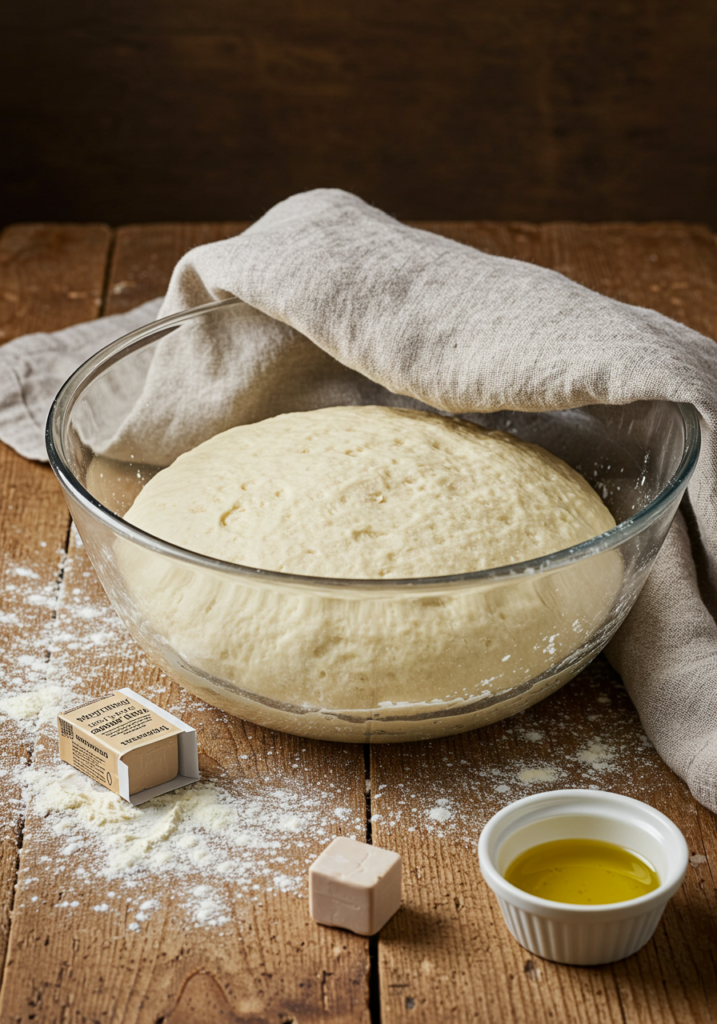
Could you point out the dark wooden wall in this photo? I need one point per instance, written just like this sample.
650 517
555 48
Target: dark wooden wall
135 110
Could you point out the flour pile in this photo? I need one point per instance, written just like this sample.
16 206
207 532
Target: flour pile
224 835
205 847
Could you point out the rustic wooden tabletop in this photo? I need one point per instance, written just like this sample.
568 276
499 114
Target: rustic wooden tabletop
73 943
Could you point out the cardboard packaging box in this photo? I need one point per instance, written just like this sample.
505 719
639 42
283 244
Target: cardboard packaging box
129 745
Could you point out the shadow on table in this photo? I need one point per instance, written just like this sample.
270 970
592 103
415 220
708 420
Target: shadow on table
681 957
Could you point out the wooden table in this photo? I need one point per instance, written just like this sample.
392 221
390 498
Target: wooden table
446 956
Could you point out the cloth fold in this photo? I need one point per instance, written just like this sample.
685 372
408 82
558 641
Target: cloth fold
342 302
34 367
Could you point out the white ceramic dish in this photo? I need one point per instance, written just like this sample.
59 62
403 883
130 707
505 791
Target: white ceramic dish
572 933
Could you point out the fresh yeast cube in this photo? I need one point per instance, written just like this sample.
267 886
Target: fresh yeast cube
355 886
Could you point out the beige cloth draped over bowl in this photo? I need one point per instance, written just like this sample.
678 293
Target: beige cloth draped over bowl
344 304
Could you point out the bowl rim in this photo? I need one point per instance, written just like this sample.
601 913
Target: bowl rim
137 339
557 804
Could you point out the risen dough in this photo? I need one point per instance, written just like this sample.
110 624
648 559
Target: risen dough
368 493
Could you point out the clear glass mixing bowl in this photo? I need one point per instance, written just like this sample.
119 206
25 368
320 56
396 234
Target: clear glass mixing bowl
367 660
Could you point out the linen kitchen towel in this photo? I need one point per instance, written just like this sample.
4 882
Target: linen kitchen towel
341 303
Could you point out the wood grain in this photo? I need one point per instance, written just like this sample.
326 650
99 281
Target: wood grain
599 110
145 254
50 276
447 954
270 962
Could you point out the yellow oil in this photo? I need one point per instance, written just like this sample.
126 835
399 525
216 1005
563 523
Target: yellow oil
582 871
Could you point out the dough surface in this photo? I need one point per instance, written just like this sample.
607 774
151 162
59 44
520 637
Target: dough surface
368 493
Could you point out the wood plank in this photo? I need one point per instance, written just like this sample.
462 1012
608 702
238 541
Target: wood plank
447 954
145 253
438 958
50 276
267 961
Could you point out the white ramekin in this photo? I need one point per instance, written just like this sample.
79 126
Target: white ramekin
574 933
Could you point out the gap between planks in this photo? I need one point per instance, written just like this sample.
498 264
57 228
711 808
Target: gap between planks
613 258
202 976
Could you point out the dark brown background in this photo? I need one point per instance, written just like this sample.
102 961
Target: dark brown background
215 109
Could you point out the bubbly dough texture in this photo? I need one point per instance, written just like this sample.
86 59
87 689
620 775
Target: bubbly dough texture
368 493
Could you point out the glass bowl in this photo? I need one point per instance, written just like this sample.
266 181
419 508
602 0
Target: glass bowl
362 660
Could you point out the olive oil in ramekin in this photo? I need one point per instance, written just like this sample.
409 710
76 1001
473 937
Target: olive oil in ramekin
587 871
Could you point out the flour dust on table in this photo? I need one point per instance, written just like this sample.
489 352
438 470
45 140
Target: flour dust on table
197 844
224 841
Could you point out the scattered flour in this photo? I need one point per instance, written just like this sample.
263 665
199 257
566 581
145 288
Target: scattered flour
244 838
537 775
452 796
200 826
220 842
37 707
598 754
441 812
38 671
